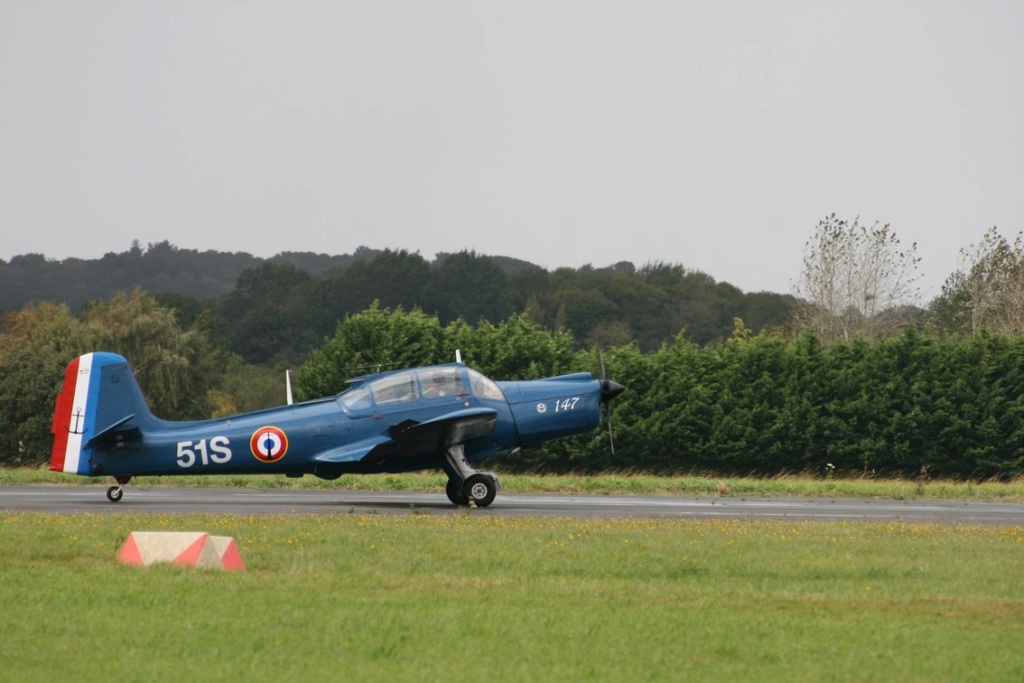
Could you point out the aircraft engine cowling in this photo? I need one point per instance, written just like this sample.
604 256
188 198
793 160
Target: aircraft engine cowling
552 408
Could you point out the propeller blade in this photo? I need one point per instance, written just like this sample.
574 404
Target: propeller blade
611 432
609 390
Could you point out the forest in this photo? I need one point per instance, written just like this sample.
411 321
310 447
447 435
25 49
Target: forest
277 310
849 376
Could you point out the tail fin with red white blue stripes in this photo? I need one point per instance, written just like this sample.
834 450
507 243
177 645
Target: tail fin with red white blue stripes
99 396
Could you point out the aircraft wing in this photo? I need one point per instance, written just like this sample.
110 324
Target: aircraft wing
410 439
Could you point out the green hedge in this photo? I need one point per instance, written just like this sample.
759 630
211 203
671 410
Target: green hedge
951 407
763 405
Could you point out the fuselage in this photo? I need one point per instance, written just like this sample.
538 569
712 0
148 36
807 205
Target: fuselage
331 436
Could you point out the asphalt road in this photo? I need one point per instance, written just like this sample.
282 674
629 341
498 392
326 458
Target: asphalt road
140 500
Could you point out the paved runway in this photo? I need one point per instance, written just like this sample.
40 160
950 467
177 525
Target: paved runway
161 500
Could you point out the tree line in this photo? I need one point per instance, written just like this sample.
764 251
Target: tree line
160 267
754 404
277 311
856 379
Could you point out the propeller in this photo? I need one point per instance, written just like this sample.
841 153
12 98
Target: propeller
609 390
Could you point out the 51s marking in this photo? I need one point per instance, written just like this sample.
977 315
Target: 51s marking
219 451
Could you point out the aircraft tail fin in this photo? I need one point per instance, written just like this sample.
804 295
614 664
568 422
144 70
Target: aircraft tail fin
99 395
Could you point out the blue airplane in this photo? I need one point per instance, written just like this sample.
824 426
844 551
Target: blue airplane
438 417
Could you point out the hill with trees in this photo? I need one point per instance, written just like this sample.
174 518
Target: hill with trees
160 267
277 310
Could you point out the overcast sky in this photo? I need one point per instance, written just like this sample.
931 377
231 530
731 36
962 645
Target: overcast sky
712 134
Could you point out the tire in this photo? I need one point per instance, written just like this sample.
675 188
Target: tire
454 493
480 489
114 494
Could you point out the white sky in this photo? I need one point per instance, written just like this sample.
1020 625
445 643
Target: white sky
715 134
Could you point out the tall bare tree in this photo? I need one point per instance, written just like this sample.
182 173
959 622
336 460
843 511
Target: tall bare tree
987 290
856 281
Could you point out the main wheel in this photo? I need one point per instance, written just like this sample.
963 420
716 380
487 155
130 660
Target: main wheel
480 489
114 494
455 494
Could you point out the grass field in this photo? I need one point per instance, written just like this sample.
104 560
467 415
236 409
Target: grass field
454 596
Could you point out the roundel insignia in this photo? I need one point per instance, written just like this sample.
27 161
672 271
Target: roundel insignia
269 444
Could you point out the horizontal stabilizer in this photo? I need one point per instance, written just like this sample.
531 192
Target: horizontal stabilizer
108 431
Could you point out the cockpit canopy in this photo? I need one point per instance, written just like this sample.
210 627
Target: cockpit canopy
443 381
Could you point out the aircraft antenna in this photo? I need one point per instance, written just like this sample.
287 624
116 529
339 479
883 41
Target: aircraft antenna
288 385
458 356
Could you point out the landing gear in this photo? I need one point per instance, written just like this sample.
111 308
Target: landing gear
115 493
467 485
454 491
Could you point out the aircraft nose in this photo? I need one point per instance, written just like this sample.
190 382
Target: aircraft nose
610 390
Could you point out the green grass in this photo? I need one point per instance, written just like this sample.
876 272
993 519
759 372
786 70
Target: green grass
459 596
612 483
